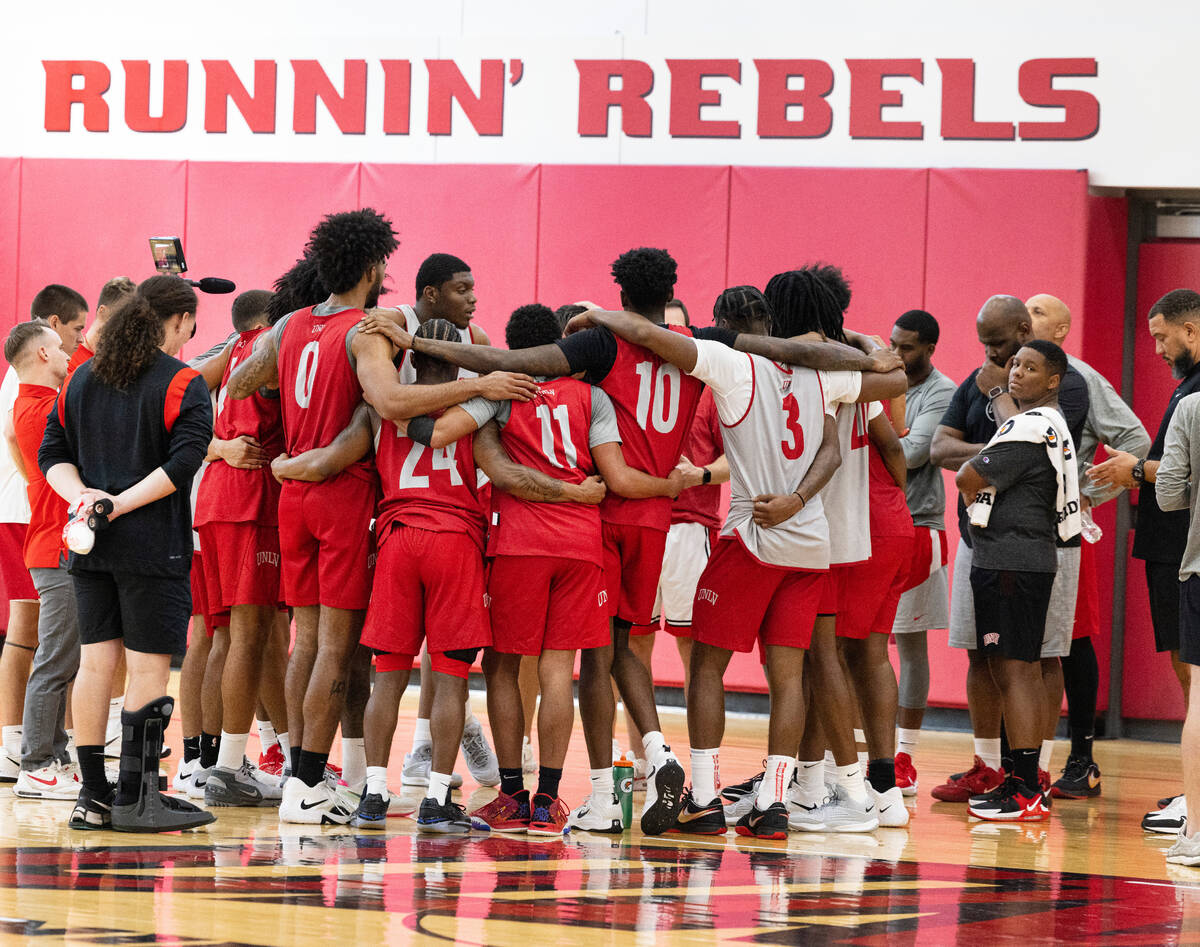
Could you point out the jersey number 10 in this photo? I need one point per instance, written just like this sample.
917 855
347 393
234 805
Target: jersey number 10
658 396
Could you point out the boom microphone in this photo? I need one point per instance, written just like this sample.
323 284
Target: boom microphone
213 284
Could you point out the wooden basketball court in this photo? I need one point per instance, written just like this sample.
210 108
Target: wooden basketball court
1088 875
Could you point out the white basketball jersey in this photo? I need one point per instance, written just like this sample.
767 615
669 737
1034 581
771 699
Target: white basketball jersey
846 496
408 375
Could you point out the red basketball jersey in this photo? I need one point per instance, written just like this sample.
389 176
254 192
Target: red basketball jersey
889 508
318 386
703 445
426 487
549 434
230 494
655 403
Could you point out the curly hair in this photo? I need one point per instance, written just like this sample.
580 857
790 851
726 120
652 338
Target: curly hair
344 245
298 288
442 330
565 314
740 306
803 302
532 325
646 276
134 333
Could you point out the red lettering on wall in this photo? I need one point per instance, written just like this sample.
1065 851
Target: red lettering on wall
221 83
868 97
688 97
597 97
774 98
137 96
397 95
1081 110
485 111
958 105
348 110
61 94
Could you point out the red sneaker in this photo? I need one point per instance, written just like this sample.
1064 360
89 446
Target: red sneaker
271 762
549 816
506 813
960 787
1044 780
906 774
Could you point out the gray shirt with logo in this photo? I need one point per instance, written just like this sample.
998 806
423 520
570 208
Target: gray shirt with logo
924 407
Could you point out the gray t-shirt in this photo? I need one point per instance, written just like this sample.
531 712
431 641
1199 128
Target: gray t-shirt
1021 533
923 409
602 427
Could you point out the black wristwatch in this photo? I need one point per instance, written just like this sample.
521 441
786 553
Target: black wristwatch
996 392
1138 473
707 476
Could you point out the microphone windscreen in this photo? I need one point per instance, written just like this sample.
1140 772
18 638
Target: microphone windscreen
215 285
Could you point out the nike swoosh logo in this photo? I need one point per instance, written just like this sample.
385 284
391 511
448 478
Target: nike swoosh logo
882 809
45 782
313 805
686 816
811 765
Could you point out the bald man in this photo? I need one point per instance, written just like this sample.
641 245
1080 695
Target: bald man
980 404
1111 422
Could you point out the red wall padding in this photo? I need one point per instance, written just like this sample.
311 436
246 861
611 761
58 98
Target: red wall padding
10 216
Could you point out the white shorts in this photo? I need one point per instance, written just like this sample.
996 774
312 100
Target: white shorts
684 558
1060 616
926 606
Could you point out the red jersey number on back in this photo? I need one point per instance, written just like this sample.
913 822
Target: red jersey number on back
793 446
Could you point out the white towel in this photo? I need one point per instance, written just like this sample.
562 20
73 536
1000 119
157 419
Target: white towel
1040 426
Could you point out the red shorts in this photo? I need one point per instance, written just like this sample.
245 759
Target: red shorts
833 595
633 558
1087 602
241 565
929 553
326 544
200 603
18 583
540 603
428 586
442 663
741 601
872 589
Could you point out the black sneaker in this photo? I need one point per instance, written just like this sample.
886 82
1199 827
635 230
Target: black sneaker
372 812
1080 779
772 824
738 790
699 820
92 811
1014 802
445 818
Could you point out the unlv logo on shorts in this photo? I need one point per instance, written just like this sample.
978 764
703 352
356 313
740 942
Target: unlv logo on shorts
991 638
267 559
487 600
602 598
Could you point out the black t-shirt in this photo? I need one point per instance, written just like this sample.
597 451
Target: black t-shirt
594 351
1161 535
1022 530
971 412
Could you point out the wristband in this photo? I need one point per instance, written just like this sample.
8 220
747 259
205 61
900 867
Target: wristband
797 493
707 476
421 429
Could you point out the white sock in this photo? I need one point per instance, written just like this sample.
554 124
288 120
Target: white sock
232 750
850 781
377 781
115 706
777 777
654 745
354 760
421 734
704 776
266 734
12 741
439 787
810 781
602 782
285 746
906 740
1044 756
988 751
860 739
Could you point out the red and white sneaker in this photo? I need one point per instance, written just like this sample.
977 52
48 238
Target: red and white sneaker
505 813
549 815
906 774
53 781
272 762
960 787
1013 802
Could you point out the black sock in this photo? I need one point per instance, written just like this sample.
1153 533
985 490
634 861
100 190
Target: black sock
294 761
881 774
1006 753
511 780
191 748
1081 681
311 768
210 745
91 769
548 780
1025 766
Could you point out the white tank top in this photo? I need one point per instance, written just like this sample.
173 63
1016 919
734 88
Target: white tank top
408 374
846 496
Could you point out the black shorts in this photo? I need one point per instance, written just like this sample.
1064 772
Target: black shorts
150 613
1010 612
1189 620
1162 581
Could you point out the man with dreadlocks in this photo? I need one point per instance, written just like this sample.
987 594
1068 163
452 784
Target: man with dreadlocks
324 368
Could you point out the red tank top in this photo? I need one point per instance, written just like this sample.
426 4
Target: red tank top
429 488
889 508
655 403
230 494
318 386
549 434
702 446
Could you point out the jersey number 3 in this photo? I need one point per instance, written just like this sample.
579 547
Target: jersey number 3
793 446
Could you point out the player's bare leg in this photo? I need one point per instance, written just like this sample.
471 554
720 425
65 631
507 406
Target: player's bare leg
984 700
706 709
1052 684
381 714
191 686
633 681
597 708
874 682
299 673
358 692
446 721
556 716
684 646
271 690
529 682
337 639
506 709
211 708
642 648
785 681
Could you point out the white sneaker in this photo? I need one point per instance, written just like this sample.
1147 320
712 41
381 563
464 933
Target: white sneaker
418 763
481 759
245 786
890 808
740 806
840 813
639 775
54 781
528 765
1169 820
315 805
1185 851
597 815
10 769
183 776
199 779
803 811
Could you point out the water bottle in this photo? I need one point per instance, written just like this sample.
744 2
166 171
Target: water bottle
1090 529
623 783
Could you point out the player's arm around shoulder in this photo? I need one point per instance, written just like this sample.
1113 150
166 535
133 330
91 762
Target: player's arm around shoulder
674 347
260 370
352 444
523 482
